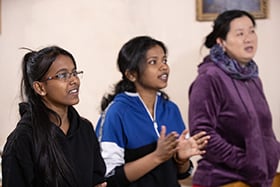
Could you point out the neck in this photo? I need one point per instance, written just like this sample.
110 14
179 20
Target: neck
149 99
63 114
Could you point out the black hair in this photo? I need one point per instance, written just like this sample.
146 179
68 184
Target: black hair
131 58
221 25
53 167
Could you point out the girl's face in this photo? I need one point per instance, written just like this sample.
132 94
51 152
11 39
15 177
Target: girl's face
61 90
155 74
241 40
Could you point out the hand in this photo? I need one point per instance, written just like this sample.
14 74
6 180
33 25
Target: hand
191 146
166 145
104 184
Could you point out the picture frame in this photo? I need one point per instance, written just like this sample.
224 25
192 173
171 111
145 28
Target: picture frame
208 10
0 16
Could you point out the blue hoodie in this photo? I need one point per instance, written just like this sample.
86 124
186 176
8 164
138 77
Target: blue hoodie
128 132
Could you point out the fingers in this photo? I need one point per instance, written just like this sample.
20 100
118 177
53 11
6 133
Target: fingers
167 144
171 140
199 135
201 140
170 137
163 131
184 134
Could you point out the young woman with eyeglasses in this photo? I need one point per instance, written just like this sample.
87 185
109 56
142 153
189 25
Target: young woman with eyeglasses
52 145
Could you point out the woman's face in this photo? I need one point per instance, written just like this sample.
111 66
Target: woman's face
61 92
241 40
155 74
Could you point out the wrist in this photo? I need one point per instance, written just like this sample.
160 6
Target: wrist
180 161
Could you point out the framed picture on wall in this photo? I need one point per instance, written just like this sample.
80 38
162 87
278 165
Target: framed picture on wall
207 10
0 15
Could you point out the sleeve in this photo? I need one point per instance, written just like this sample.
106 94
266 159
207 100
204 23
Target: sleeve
111 136
187 173
204 105
17 162
99 167
180 125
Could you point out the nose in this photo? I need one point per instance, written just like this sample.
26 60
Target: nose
248 38
73 79
163 66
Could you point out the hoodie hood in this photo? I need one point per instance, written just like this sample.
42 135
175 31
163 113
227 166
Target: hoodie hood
133 100
25 111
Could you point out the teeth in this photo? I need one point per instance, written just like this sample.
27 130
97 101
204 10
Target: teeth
164 76
74 91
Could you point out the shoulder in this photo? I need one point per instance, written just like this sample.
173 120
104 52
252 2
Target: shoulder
78 120
22 131
168 106
85 120
86 123
169 103
209 69
19 140
210 74
122 103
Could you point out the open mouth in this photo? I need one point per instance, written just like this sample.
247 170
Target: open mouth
249 49
74 91
164 77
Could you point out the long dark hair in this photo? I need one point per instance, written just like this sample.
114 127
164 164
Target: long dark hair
131 58
53 168
221 25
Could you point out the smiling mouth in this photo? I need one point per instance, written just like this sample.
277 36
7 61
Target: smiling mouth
74 91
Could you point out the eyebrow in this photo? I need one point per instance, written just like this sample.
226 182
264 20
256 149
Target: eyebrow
164 56
65 70
242 29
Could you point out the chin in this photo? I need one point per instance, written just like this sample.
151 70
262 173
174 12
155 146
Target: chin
162 87
75 102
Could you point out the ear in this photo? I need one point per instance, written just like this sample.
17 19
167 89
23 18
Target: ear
221 42
132 76
39 88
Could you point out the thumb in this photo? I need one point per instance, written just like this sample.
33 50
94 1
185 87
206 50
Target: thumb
163 131
184 134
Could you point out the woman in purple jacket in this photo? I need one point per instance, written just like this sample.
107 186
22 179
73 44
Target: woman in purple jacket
227 101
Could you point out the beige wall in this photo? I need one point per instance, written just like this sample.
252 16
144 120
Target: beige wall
94 30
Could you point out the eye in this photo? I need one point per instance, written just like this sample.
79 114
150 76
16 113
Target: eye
62 75
152 62
164 61
75 73
240 34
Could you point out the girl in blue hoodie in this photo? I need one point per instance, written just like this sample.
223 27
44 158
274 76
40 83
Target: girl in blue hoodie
141 132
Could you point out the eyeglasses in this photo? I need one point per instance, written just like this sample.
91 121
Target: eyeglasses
65 75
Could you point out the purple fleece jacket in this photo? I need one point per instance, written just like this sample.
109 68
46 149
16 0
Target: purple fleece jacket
236 115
